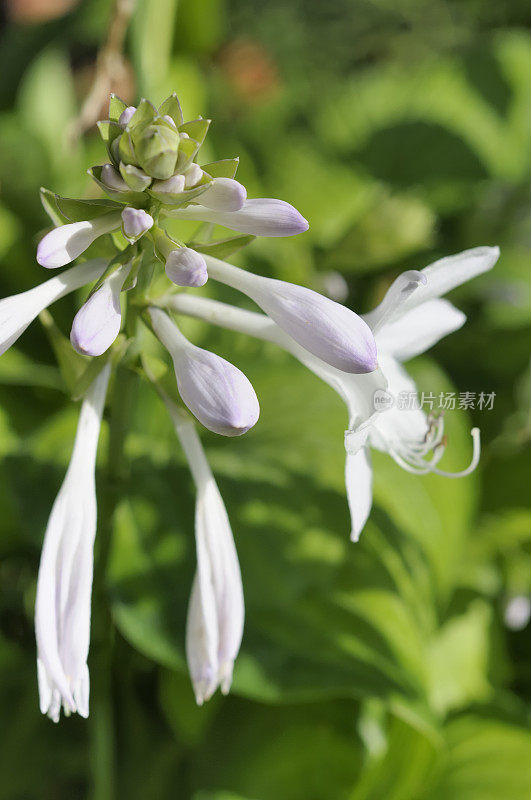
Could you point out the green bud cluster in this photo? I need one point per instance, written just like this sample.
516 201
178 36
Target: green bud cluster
152 155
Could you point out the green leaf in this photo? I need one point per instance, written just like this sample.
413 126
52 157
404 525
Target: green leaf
50 206
71 364
80 210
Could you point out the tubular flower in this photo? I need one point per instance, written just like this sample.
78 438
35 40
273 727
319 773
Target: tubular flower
62 606
216 609
410 319
152 178
19 310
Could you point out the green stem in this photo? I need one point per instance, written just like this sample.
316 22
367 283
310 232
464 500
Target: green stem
103 745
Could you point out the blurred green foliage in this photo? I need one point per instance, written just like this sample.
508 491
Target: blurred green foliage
380 671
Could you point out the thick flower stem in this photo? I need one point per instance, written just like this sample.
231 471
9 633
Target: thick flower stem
103 743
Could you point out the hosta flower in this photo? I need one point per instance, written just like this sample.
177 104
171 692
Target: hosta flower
405 325
67 242
62 606
215 391
325 328
19 310
97 323
216 610
409 320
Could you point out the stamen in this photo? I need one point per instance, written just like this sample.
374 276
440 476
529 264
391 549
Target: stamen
417 466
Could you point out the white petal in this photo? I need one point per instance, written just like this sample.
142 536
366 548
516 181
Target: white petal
62 606
397 425
358 479
395 297
447 273
261 217
419 329
65 243
19 310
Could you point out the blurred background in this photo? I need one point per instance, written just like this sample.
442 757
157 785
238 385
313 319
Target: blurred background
395 669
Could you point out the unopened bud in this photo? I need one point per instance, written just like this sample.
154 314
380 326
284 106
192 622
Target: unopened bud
112 178
193 175
169 120
65 243
327 329
224 194
135 222
126 116
97 323
186 267
157 151
174 185
217 393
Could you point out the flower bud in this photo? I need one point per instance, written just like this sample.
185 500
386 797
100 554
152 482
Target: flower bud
186 267
65 243
126 116
224 194
112 178
174 185
169 120
259 217
157 151
135 222
193 175
217 393
135 178
97 323
330 331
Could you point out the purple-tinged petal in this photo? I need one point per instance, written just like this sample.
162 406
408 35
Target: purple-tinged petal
186 267
259 217
65 243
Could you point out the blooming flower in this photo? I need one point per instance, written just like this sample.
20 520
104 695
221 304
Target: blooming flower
62 606
19 310
402 329
216 610
215 391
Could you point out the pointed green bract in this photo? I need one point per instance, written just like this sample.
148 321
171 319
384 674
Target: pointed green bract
226 168
116 106
136 179
224 247
196 129
157 151
172 108
138 199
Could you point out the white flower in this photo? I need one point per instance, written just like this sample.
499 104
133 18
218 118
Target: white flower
19 310
65 243
260 217
97 323
217 393
328 330
216 610
62 606
410 319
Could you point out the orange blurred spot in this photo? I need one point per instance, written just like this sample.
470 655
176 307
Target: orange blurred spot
38 10
250 69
